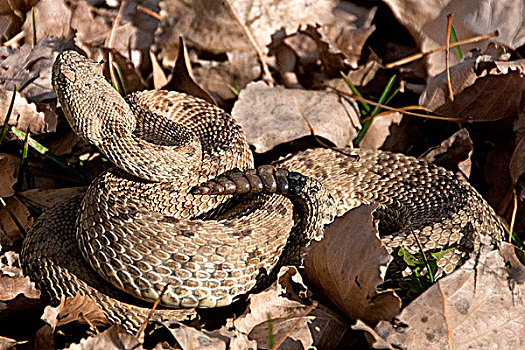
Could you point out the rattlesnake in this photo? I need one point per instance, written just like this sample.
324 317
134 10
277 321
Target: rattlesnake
140 227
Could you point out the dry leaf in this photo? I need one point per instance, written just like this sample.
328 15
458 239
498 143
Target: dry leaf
237 71
90 30
484 90
380 130
477 307
10 234
25 115
191 338
427 23
349 264
12 280
454 153
51 18
8 172
114 338
210 26
320 328
30 70
77 309
271 116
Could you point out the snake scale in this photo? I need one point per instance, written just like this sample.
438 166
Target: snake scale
140 227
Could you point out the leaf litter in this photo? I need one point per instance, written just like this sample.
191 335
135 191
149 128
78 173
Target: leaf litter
232 45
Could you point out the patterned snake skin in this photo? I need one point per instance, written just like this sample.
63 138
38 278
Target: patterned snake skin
139 227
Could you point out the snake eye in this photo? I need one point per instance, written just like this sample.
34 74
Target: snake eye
69 74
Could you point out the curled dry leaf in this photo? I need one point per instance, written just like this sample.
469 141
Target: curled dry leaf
454 153
477 307
25 115
191 338
280 304
29 69
79 309
90 30
261 108
427 23
215 29
10 234
12 280
349 264
237 71
114 338
484 90
380 130
8 172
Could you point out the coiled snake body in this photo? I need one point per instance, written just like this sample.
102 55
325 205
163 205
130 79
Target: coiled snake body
140 228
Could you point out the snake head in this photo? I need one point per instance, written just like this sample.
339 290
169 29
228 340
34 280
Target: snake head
89 102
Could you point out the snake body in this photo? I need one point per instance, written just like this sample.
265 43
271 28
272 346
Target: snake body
139 227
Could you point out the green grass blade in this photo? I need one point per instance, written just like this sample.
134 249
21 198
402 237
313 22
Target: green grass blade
270 331
8 116
120 79
364 105
376 110
234 90
44 151
429 269
455 39
34 25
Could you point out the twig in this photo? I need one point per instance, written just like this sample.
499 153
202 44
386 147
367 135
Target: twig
294 326
267 76
513 217
427 116
13 42
419 55
150 12
447 59
150 314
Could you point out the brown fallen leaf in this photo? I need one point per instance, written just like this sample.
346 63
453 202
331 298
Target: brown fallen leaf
283 307
29 68
51 18
237 71
8 174
79 309
25 115
191 338
214 28
114 338
427 22
454 153
261 108
474 308
10 234
12 280
348 265
380 130
484 90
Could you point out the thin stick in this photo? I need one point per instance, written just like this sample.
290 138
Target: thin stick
294 326
13 42
514 212
427 116
267 75
150 12
447 59
419 55
150 314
